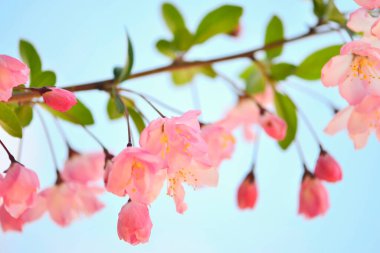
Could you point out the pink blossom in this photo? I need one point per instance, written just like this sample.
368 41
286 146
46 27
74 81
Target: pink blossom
359 120
84 168
247 193
134 225
356 70
313 199
327 168
220 141
12 74
196 175
361 21
9 223
59 99
369 4
66 201
137 173
273 125
245 114
19 188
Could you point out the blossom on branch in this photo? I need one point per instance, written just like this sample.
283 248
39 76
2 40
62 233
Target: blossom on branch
59 99
12 74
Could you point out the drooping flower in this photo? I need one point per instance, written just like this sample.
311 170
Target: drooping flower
66 201
359 120
19 189
247 192
196 175
12 74
59 99
273 125
220 143
179 143
356 70
84 168
9 223
245 114
137 173
327 168
369 4
313 198
134 224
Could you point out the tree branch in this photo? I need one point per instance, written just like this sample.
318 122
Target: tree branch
106 84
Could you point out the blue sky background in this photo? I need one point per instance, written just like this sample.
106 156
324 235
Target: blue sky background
83 40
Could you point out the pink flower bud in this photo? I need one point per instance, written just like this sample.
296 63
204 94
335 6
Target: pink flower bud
12 74
247 192
19 189
274 126
134 224
314 199
327 168
59 99
236 32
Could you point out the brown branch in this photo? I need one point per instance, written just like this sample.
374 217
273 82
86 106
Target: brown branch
106 84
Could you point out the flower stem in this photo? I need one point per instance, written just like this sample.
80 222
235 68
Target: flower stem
10 156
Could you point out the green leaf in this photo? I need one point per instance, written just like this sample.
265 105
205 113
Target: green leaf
274 33
219 21
44 78
173 17
30 56
254 79
183 40
333 14
24 114
9 121
166 48
136 118
184 76
286 109
319 8
114 109
78 114
310 68
129 63
281 71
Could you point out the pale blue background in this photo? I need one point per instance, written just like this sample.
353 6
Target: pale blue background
83 40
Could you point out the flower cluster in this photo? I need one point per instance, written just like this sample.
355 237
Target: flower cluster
14 73
73 194
176 150
357 73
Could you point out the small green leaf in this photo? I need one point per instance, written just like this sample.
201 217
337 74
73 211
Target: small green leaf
129 63
9 121
219 21
24 114
112 108
281 71
274 33
44 78
333 14
136 118
166 48
254 79
78 114
173 17
30 56
310 68
319 8
184 76
287 110
183 40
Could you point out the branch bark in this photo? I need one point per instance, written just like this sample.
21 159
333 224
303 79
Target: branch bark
106 84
